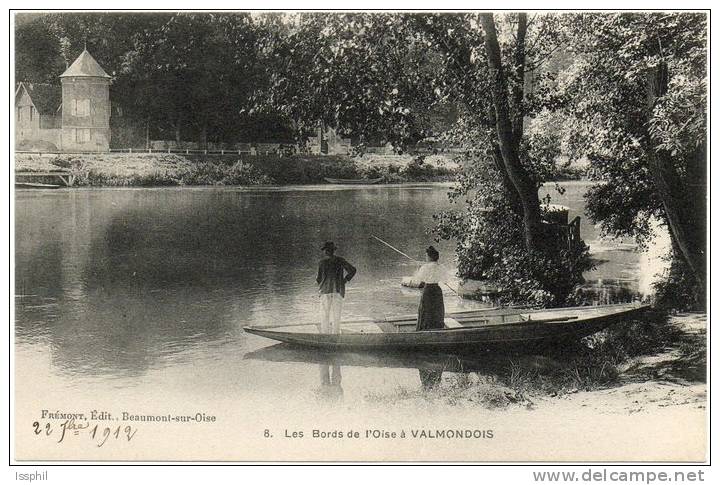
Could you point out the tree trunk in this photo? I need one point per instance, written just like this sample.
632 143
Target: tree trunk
666 181
203 135
696 176
510 189
147 133
178 135
684 210
507 139
512 193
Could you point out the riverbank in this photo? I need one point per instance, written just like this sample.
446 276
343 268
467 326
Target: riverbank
636 367
158 169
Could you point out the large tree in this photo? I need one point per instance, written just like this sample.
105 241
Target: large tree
366 75
636 106
196 69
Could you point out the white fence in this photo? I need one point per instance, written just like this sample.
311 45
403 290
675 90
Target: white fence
149 150
188 151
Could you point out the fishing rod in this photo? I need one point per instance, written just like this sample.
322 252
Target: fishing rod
411 259
395 249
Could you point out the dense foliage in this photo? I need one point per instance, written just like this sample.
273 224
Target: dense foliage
489 232
363 74
635 106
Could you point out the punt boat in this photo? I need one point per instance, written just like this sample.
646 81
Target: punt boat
352 181
467 329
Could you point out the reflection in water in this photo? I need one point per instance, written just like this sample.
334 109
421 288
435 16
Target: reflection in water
496 370
606 291
330 383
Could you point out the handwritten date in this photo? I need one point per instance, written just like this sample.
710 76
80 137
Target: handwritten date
98 434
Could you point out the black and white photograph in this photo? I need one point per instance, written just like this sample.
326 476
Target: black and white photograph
359 236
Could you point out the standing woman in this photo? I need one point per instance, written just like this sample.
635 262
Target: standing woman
431 312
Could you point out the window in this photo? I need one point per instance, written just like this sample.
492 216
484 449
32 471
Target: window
32 110
81 107
82 135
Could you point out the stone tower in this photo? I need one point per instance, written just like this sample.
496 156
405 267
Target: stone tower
85 106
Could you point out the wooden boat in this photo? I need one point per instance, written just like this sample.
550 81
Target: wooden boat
484 327
30 185
353 181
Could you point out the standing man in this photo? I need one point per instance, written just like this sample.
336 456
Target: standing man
333 273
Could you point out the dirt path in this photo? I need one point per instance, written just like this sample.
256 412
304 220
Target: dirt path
674 377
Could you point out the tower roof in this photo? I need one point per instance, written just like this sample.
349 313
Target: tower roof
85 66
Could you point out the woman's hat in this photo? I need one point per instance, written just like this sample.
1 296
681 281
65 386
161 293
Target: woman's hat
328 245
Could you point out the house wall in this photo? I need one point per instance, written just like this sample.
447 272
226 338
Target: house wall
328 142
85 129
47 140
337 145
27 119
34 131
48 122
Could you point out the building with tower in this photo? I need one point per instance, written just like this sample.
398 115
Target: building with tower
81 120
85 106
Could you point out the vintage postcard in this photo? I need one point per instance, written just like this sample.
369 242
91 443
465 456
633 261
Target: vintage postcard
367 236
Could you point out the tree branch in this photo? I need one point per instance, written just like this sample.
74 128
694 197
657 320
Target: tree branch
519 84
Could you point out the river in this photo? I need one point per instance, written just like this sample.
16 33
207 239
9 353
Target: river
137 298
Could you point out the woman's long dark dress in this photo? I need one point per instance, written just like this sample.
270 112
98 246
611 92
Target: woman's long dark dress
431 312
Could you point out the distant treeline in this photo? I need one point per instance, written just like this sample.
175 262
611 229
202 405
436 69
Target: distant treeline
199 77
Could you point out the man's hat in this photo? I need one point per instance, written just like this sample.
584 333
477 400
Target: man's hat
328 245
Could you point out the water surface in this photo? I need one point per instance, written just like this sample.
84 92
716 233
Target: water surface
146 291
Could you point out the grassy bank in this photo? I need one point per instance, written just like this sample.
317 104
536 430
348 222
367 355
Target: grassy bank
157 169
653 348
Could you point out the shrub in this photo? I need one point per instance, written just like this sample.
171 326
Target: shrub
419 170
304 169
389 173
678 288
242 173
67 163
490 246
203 173
194 169
96 178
